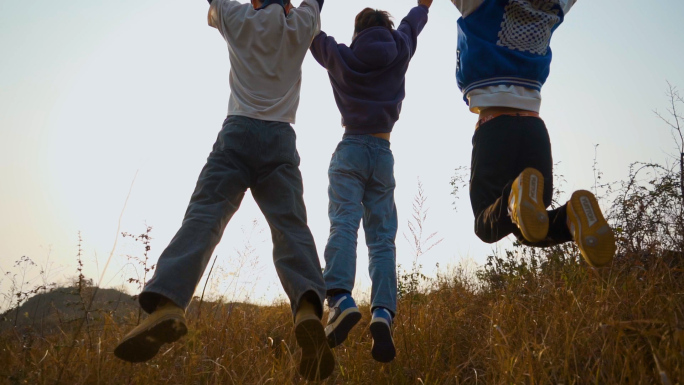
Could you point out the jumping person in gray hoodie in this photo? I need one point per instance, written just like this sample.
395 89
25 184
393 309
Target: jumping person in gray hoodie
256 150
368 80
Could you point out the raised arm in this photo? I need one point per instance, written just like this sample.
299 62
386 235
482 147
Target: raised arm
426 3
320 3
325 50
413 23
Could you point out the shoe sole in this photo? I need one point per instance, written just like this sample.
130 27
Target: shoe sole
383 349
317 361
591 232
337 332
144 345
533 220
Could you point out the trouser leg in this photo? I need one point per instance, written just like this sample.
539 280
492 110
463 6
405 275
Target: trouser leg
278 190
217 196
380 226
345 192
502 149
494 166
537 154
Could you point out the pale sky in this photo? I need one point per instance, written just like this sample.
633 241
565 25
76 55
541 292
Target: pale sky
93 92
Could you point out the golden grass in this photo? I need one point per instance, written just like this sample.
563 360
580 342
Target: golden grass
569 325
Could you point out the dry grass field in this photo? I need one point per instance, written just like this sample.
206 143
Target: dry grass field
528 316
560 323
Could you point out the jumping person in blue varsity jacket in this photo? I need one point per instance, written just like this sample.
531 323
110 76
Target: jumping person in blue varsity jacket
503 60
256 149
368 80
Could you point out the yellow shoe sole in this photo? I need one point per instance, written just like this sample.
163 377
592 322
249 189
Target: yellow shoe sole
526 205
589 229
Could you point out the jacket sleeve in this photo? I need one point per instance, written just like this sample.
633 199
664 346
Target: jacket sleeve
325 50
413 24
223 14
309 15
320 3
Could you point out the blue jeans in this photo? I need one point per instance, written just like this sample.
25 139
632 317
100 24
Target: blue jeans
362 185
262 156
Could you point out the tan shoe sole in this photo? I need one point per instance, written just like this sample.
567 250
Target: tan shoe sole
317 361
143 342
589 229
526 205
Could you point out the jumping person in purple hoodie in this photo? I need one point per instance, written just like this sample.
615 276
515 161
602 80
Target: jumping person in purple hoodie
368 80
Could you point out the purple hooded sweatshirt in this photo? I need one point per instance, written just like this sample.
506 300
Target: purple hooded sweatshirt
368 77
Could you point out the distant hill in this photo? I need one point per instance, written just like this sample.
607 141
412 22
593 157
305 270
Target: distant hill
64 305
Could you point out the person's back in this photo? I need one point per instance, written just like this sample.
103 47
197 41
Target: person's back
266 48
368 81
368 77
504 52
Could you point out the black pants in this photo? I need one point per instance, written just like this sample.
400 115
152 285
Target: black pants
502 149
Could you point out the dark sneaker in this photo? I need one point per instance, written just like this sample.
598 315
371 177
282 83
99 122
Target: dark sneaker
526 205
589 229
317 361
343 316
381 330
164 325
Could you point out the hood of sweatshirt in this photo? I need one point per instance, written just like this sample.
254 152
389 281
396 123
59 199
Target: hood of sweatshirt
374 48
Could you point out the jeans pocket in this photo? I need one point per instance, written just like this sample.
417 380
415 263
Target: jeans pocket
385 168
287 145
233 135
350 158
335 157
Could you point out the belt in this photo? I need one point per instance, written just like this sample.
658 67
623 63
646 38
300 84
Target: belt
485 117
383 135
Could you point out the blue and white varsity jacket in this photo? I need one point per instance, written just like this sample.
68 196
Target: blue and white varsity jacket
503 56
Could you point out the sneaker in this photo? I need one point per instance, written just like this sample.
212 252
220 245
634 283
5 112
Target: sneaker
526 205
165 325
381 330
589 229
343 316
317 362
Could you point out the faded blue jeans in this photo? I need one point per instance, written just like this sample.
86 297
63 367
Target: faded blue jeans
361 175
262 156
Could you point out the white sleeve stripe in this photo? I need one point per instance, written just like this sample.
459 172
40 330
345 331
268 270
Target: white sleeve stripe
567 4
466 7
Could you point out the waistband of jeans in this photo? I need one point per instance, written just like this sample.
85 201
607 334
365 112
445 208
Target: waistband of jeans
368 139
